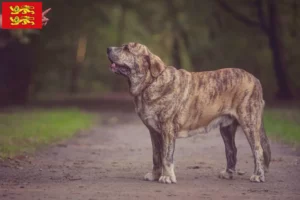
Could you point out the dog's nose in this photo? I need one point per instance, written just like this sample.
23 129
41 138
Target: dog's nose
108 50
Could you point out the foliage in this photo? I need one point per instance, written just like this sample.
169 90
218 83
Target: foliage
283 125
209 38
24 131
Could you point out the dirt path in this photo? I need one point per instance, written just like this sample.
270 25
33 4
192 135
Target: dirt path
110 161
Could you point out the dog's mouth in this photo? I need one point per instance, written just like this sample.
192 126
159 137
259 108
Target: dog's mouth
113 65
119 69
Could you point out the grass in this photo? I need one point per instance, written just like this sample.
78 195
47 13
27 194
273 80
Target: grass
25 131
283 125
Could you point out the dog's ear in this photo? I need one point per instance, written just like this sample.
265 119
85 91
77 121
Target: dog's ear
156 65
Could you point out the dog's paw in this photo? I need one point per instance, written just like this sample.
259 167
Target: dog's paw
266 170
225 175
257 178
167 179
151 177
229 174
239 172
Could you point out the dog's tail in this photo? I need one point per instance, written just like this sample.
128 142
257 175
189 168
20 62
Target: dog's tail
265 146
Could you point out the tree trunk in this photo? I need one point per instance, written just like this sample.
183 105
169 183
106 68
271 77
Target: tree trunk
74 79
116 86
15 72
272 31
293 27
81 50
176 53
275 43
121 26
177 33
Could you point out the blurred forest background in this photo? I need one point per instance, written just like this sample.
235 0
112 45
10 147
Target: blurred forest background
68 56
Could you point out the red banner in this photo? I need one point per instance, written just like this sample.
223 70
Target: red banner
21 15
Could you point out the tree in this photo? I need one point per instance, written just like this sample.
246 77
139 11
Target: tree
270 26
17 64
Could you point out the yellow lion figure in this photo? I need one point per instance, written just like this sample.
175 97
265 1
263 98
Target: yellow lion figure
23 20
15 10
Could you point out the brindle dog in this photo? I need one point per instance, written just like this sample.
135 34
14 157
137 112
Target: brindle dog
176 103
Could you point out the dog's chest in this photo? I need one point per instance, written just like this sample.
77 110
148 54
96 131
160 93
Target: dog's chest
147 114
150 120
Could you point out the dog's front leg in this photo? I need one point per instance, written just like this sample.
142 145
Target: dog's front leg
168 148
156 140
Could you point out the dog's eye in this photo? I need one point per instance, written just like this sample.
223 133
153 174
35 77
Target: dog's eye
126 48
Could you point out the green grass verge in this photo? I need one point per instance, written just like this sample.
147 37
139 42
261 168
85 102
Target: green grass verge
283 125
24 131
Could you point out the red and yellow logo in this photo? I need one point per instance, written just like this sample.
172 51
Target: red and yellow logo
22 15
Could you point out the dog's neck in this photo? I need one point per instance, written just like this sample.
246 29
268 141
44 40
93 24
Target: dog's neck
138 84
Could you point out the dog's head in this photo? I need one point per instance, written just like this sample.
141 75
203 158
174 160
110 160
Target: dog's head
134 60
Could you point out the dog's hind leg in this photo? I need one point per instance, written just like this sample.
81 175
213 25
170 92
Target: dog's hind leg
228 135
250 118
266 147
